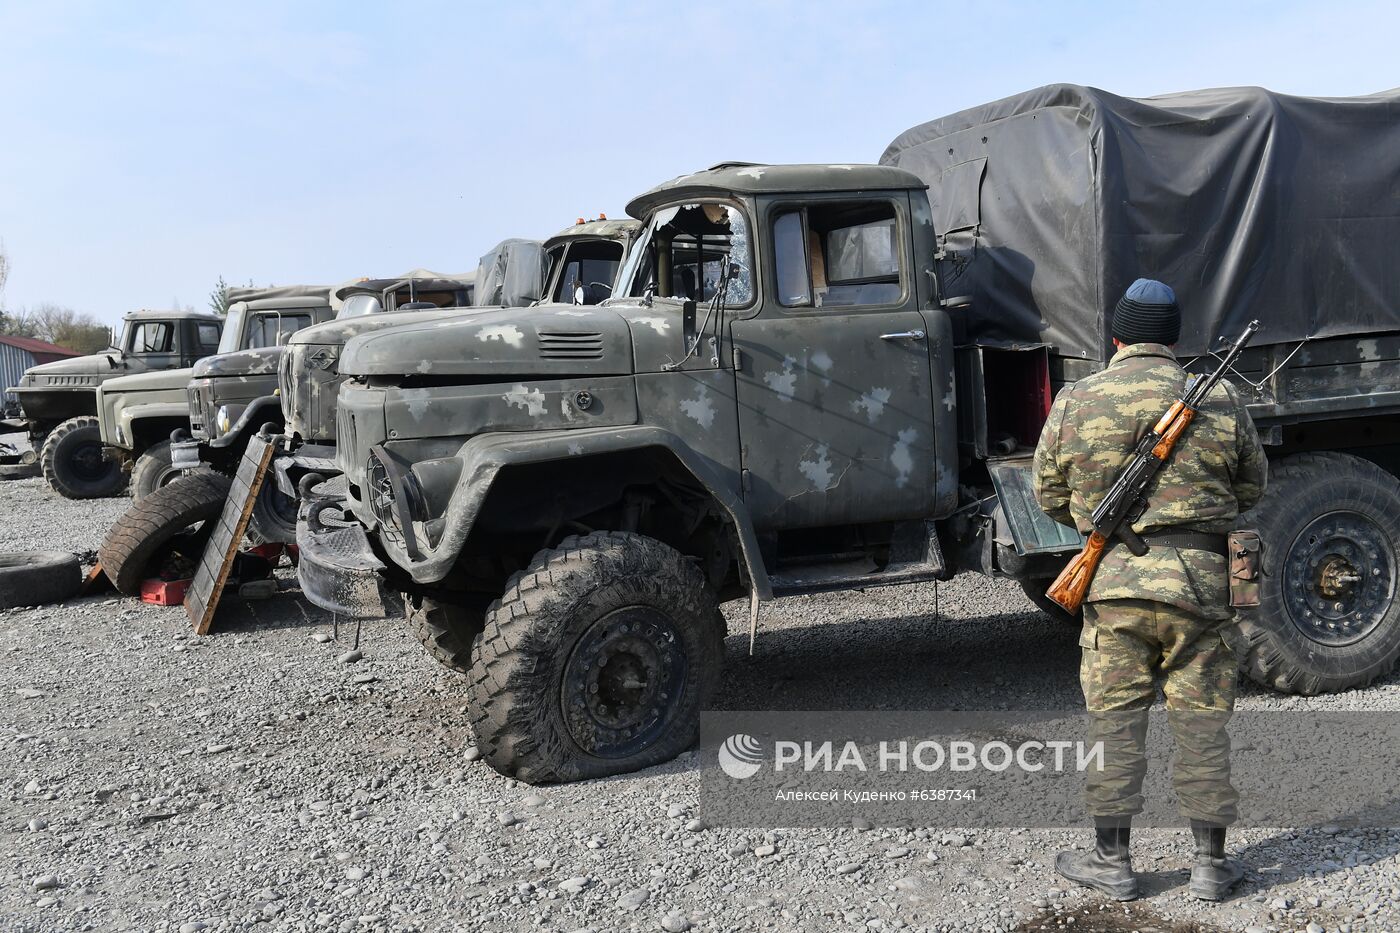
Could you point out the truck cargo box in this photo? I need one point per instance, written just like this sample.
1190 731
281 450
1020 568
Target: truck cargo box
1250 204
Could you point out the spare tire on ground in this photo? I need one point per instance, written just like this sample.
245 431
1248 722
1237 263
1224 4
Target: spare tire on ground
35 578
164 534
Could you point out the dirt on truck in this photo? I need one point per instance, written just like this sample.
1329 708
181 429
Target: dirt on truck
823 377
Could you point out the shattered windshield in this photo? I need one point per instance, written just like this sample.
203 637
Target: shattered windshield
682 253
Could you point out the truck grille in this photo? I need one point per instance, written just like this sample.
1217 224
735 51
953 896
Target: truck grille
196 412
345 433
562 345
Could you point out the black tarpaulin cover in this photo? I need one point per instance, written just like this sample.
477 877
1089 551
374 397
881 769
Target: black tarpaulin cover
1250 204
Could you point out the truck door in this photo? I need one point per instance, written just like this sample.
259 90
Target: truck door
153 344
833 384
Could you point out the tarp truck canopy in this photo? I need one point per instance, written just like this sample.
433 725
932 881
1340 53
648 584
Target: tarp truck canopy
1250 204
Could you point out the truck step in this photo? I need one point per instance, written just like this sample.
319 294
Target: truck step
918 559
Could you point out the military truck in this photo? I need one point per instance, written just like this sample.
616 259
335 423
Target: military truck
59 399
824 377
139 414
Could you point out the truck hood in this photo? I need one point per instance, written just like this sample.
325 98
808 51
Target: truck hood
544 340
337 333
258 362
80 365
160 380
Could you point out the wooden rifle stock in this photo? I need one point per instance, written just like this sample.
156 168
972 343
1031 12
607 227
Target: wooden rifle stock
1072 585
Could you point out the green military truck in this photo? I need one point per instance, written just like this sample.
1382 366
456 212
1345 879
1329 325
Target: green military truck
59 399
823 377
138 415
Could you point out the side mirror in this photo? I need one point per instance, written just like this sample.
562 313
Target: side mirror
282 337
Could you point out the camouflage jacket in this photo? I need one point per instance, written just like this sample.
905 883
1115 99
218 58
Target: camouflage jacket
1216 471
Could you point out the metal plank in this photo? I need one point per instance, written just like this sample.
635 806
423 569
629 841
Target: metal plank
216 563
1032 531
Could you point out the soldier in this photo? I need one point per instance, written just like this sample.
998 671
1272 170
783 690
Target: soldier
1159 616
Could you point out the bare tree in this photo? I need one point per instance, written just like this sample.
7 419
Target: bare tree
65 327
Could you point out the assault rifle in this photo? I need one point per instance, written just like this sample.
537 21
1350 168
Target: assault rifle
1127 497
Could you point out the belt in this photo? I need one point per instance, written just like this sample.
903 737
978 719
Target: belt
1188 541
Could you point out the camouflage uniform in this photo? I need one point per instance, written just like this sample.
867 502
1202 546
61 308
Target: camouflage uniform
1160 614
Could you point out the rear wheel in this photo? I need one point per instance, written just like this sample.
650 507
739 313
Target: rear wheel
1329 617
164 534
1035 588
446 630
73 464
596 660
152 471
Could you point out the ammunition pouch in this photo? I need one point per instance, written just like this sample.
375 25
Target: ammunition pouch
1246 567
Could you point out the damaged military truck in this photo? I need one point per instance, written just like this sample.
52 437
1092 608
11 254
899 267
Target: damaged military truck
822 377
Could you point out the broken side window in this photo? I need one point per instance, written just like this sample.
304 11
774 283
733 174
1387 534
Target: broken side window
684 252
840 254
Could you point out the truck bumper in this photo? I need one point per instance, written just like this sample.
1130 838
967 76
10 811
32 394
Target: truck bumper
184 455
337 568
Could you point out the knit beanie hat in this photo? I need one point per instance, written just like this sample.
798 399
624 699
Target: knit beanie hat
1147 313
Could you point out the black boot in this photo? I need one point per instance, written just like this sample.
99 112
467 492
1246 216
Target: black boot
1213 875
1107 868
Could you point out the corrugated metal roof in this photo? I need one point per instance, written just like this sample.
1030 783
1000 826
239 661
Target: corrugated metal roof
34 345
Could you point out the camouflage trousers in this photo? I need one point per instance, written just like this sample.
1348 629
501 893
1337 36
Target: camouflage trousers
1128 646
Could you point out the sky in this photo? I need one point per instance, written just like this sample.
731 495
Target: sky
148 149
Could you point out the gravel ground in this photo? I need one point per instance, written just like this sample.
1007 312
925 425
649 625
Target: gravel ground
158 781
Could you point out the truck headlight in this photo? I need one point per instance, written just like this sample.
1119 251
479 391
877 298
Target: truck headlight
223 420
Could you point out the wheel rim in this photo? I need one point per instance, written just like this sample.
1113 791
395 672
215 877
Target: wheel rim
88 465
168 476
1339 578
623 682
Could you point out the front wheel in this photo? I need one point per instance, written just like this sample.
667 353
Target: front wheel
72 461
596 661
153 470
1328 618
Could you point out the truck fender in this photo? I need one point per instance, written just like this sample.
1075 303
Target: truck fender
128 417
484 456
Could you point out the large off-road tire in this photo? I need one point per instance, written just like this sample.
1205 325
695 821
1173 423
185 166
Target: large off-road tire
152 471
596 661
72 461
1035 588
447 631
36 578
172 524
274 518
1329 613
